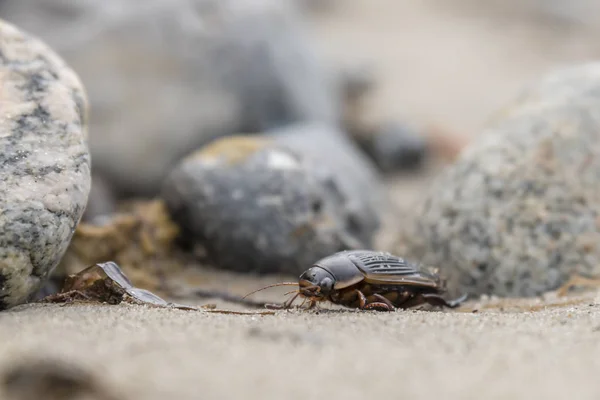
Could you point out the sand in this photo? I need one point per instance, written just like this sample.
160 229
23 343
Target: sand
437 65
141 352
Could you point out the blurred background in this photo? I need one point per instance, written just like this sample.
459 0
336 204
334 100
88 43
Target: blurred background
171 72
453 64
409 82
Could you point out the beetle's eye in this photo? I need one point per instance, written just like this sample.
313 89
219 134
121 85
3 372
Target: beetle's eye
327 284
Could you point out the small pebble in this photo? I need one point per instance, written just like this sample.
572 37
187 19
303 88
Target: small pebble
396 147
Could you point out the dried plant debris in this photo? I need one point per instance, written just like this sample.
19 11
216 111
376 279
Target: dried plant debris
52 380
141 238
106 283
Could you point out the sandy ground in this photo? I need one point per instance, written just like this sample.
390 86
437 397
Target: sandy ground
451 66
146 353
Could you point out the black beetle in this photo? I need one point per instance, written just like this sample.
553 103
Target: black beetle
369 280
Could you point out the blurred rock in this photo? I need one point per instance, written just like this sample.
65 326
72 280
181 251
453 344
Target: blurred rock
102 200
392 146
45 175
340 162
444 144
396 147
271 204
318 6
518 214
355 81
53 379
174 74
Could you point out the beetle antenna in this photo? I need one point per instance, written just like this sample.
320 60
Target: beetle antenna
293 291
270 286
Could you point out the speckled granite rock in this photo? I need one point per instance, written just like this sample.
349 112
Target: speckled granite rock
269 204
520 210
45 175
174 74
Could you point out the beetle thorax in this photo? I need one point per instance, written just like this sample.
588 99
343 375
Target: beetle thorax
316 282
343 269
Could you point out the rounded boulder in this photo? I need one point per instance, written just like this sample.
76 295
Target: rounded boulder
45 174
519 213
271 203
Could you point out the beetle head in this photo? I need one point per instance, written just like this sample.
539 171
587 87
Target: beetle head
316 282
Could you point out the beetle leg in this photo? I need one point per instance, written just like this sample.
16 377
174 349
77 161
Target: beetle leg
274 306
403 297
312 304
303 302
437 300
430 298
378 306
457 302
362 300
384 300
413 301
288 303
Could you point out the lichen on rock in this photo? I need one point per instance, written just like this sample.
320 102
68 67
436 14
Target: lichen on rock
140 237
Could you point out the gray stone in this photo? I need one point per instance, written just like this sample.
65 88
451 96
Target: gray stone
396 147
275 203
171 75
519 213
45 175
341 163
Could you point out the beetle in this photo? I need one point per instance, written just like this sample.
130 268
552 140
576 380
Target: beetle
369 280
